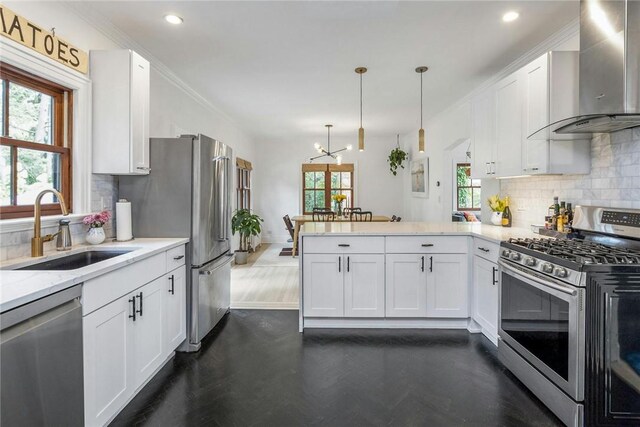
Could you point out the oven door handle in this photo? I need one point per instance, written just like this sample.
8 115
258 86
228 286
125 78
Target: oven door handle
546 282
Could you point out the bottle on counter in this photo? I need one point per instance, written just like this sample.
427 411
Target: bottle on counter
562 217
556 213
569 214
506 214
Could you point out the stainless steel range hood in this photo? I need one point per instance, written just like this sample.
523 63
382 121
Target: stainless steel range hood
609 69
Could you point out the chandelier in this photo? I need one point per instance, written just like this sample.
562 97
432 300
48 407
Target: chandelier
326 152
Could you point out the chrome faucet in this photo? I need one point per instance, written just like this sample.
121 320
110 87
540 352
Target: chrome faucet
37 242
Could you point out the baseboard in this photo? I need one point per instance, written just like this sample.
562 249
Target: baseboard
316 322
263 305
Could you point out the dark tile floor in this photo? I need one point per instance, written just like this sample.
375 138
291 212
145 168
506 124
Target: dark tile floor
255 369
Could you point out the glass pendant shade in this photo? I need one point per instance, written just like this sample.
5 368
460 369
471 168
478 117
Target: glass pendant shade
421 140
361 139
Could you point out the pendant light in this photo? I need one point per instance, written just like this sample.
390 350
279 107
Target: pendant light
361 71
421 70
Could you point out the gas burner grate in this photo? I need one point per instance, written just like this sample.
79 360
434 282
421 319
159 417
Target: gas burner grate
579 251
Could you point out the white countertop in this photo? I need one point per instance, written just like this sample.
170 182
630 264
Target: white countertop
476 229
21 287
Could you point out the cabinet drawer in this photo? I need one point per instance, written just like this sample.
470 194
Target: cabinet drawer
175 258
346 245
113 285
427 244
485 249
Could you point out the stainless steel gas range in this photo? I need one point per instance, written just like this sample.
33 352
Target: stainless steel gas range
569 325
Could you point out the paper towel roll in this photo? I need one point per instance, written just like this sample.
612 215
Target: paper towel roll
123 220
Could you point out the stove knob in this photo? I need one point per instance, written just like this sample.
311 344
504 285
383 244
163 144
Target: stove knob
560 272
515 256
506 253
530 261
547 267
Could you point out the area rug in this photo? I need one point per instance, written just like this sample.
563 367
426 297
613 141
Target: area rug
271 258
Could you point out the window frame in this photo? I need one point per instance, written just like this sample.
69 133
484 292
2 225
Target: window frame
62 132
243 184
327 169
471 187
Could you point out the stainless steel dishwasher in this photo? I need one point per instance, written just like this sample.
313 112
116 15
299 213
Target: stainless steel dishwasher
41 362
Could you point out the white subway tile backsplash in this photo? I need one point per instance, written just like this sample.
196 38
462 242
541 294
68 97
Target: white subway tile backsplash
614 181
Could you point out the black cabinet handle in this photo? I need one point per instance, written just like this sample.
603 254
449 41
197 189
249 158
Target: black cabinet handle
179 257
140 311
172 290
348 264
133 315
431 264
344 245
484 249
427 245
494 271
422 263
339 264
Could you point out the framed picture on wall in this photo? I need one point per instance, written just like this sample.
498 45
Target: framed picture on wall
420 178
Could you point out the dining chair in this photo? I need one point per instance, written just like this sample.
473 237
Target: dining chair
349 211
323 216
321 209
289 225
362 216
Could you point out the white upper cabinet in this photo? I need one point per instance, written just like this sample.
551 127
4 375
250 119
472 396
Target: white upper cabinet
120 112
508 101
506 119
483 152
550 93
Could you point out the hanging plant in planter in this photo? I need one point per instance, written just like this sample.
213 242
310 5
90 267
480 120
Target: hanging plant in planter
396 158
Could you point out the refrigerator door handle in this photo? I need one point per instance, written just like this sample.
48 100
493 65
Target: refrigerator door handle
223 196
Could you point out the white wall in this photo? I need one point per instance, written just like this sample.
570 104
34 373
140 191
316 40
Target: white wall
278 179
442 136
174 109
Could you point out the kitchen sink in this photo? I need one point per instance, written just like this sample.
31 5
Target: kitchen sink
74 261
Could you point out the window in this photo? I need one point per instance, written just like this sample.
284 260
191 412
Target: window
468 190
35 143
320 181
243 184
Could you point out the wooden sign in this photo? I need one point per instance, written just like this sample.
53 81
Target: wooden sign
42 41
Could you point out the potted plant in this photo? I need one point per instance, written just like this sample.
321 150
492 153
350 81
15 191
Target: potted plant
96 235
497 205
396 158
247 225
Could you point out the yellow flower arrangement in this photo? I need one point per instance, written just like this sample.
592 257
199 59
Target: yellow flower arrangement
496 204
339 198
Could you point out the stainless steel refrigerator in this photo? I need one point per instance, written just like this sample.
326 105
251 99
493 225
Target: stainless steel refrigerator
188 193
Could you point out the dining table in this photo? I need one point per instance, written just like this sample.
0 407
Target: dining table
298 220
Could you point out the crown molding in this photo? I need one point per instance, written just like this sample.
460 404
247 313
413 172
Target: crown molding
112 32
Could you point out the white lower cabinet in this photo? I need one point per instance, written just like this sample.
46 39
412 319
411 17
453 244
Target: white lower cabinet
128 339
406 285
427 285
341 285
364 286
147 351
175 306
447 286
323 285
486 296
108 381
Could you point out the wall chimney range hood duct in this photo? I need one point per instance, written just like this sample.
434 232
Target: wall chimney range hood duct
609 89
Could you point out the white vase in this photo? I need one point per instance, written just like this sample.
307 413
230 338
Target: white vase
496 218
95 235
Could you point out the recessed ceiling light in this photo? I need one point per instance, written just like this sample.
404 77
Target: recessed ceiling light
173 19
510 16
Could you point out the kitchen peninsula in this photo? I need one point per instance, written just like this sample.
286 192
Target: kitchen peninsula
401 275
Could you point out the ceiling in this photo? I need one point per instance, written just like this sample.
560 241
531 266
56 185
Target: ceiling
283 69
